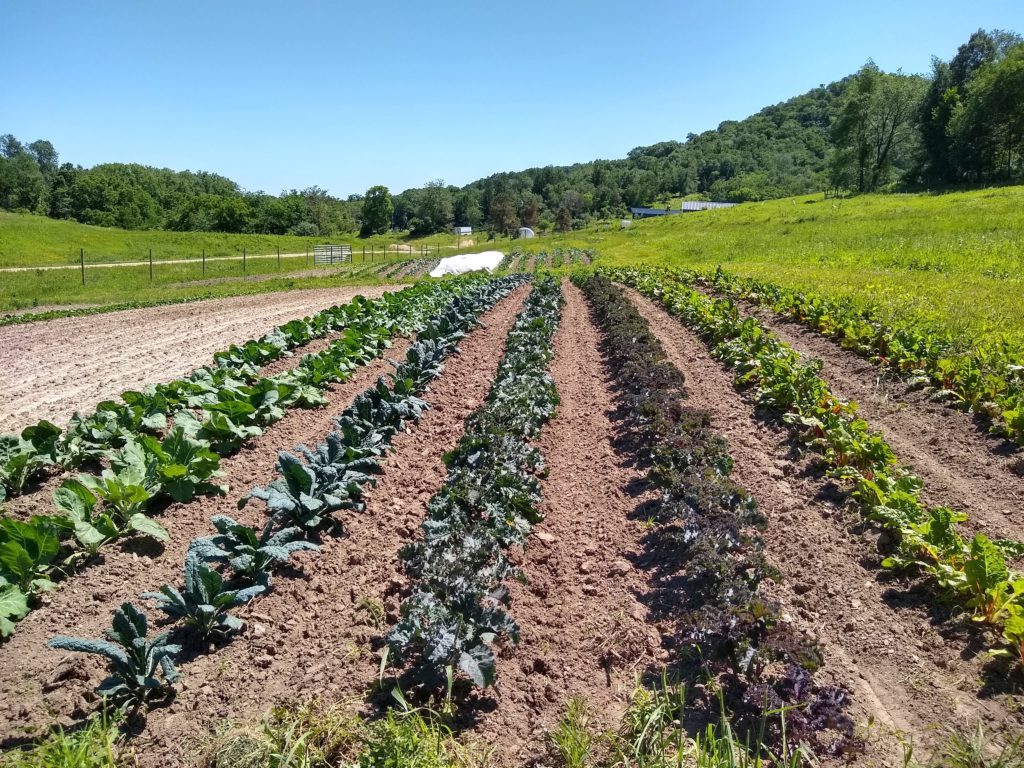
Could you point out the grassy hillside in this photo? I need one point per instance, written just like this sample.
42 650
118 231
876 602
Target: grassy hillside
954 260
27 240
37 241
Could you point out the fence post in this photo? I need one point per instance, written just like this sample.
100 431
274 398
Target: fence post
372 248
81 258
279 257
204 261
364 253
151 265
307 254
243 259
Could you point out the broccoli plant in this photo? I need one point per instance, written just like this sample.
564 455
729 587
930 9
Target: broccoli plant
28 550
179 465
252 556
93 527
205 601
133 659
13 606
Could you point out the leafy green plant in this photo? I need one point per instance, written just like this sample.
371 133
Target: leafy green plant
204 602
13 607
93 528
178 466
28 550
133 659
888 493
19 461
299 497
457 610
252 556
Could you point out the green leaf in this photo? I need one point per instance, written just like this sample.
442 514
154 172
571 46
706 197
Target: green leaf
140 523
13 606
479 664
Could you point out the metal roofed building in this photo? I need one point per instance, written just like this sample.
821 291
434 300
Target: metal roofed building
687 207
702 205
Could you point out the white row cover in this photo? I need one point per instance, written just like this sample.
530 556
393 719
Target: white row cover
468 262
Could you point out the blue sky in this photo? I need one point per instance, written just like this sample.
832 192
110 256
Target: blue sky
345 95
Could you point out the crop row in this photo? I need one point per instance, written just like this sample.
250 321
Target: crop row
488 504
927 540
236 563
89 438
987 380
724 625
138 472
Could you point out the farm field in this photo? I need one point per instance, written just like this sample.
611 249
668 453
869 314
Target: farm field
576 529
28 240
51 369
34 241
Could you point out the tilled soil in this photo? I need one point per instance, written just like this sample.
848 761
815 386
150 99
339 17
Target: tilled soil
584 628
52 368
909 674
961 466
37 497
32 677
312 637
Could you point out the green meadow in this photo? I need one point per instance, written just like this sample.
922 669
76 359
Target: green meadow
950 261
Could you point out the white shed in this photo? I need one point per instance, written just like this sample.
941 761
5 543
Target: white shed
462 231
526 232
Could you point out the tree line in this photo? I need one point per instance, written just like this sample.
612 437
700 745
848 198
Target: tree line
962 125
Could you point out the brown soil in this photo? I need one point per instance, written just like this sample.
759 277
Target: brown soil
83 604
529 263
584 629
50 369
962 467
311 637
908 673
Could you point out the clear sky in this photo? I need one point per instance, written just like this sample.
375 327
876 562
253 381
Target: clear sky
344 95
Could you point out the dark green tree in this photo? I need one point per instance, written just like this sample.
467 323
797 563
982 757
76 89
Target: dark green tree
377 210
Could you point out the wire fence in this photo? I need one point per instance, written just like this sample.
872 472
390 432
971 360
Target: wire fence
244 262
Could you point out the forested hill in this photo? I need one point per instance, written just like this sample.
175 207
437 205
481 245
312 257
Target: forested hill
870 131
780 151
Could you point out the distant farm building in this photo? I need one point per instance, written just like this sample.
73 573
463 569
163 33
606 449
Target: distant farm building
462 231
688 206
525 232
